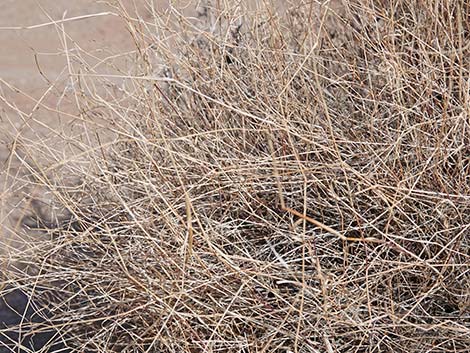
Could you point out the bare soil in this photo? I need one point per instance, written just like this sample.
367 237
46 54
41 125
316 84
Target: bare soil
38 40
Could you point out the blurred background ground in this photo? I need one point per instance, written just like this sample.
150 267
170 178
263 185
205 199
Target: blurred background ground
37 102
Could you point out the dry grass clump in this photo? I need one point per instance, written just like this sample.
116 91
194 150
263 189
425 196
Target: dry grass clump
282 180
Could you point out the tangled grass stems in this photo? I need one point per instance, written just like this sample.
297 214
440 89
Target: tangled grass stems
345 230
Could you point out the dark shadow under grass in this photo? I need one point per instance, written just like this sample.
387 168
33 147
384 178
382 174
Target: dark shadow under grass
25 328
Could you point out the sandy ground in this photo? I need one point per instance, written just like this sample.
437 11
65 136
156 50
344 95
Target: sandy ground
38 40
